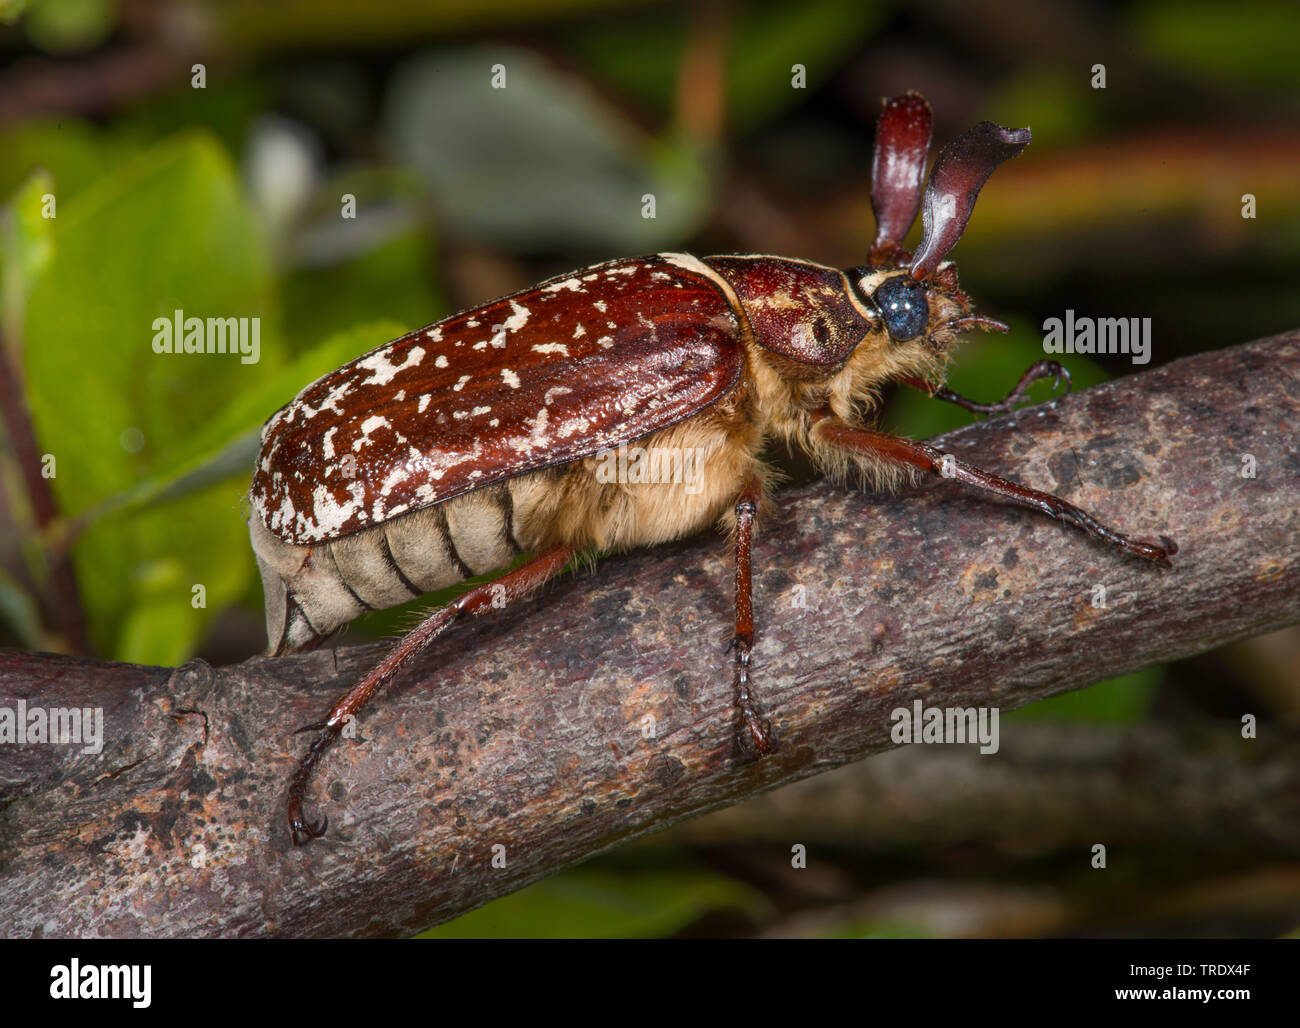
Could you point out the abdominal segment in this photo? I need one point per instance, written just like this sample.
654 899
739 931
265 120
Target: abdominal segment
313 590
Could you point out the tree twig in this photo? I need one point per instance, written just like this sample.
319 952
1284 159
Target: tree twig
601 710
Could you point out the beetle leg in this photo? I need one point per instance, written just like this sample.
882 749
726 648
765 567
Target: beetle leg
909 453
753 732
479 600
1042 369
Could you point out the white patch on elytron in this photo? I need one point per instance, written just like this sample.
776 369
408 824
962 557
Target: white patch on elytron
539 426
369 425
382 369
518 317
398 475
331 402
510 378
330 515
571 426
551 348
569 283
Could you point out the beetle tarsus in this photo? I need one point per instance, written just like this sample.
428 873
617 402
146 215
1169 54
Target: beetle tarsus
300 829
303 832
754 736
1019 394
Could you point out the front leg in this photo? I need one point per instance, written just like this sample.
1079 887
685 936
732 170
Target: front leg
911 454
1039 370
754 733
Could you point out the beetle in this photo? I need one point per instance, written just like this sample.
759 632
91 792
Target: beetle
451 451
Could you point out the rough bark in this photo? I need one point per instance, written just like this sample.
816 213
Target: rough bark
528 731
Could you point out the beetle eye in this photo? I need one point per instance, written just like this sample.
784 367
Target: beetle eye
903 304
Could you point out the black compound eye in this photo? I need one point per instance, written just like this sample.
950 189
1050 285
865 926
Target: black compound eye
904 306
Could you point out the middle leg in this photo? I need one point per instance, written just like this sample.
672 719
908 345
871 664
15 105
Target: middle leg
754 733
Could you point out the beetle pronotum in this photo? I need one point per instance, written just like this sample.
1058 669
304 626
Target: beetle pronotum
454 449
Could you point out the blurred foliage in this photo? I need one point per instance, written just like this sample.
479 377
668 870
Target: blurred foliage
134 247
68 26
641 53
1235 44
590 903
1124 700
226 200
469 135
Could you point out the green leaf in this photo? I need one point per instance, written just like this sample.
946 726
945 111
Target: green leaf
76 154
25 247
590 903
394 282
1123 700
67 26
168 231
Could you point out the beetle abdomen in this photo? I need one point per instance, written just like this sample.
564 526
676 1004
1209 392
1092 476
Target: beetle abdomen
312 590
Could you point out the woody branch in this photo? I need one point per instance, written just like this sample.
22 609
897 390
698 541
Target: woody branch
601 710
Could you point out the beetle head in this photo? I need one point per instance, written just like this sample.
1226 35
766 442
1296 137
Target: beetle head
917 296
